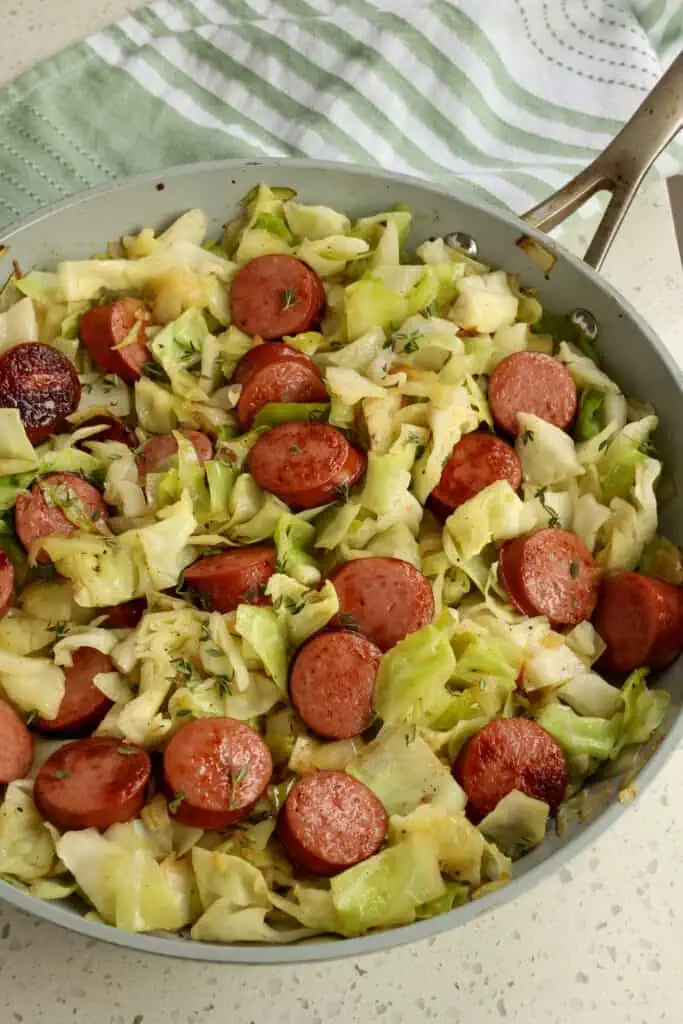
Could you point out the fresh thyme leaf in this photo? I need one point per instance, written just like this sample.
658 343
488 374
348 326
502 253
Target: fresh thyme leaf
183 668
347 621
289 298
62 773
527 436
235 778
341 493
223 683
174 804
128 751
573 569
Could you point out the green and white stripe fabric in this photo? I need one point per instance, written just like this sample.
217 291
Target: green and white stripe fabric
509 97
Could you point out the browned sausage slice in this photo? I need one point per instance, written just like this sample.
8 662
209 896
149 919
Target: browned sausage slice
42 384
330 822
6 582
92 783
215 770
16 746
550 573
332 681
233 577
476 462
126 615
104 327
265 354
507 754
83 706
35 517
155 454
289 381
384 598
274 296
641 621
531 382
305 464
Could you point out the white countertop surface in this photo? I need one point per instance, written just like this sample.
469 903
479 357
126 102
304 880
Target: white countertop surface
599 943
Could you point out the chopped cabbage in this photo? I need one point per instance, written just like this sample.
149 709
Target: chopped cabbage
18 323
300 611
517 823
460 846
412 677
27 850
485 303
387 889
495 514
32 684
399 767
547 453
262 629
17 454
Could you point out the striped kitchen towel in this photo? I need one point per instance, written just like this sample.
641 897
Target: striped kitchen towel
509 98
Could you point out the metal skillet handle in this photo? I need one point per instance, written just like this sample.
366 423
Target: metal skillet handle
621 167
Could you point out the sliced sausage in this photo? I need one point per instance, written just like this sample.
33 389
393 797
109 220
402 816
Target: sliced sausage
42 384
305 464
92 783
332 681
6 582
155 454
104 327
274 296
16 746
83 706
126 615
116 430
476 462
384 598
233 577
507 754
289 381
331 821
550 573
265 354
215 770
641 621
531 382
35 517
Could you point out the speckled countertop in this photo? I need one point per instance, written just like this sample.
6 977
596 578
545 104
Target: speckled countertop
599 943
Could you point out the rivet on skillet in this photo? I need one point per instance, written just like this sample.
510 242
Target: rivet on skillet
461 240
586 322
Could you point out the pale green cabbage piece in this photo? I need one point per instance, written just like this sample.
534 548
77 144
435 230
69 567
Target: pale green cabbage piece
301 611
262 629
411 681
32 684
18 323
399 767
17 454
495 514
27 850
387 889
485 302
547 453
106 571
127 887
459 845
517 823
294 538
315 222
